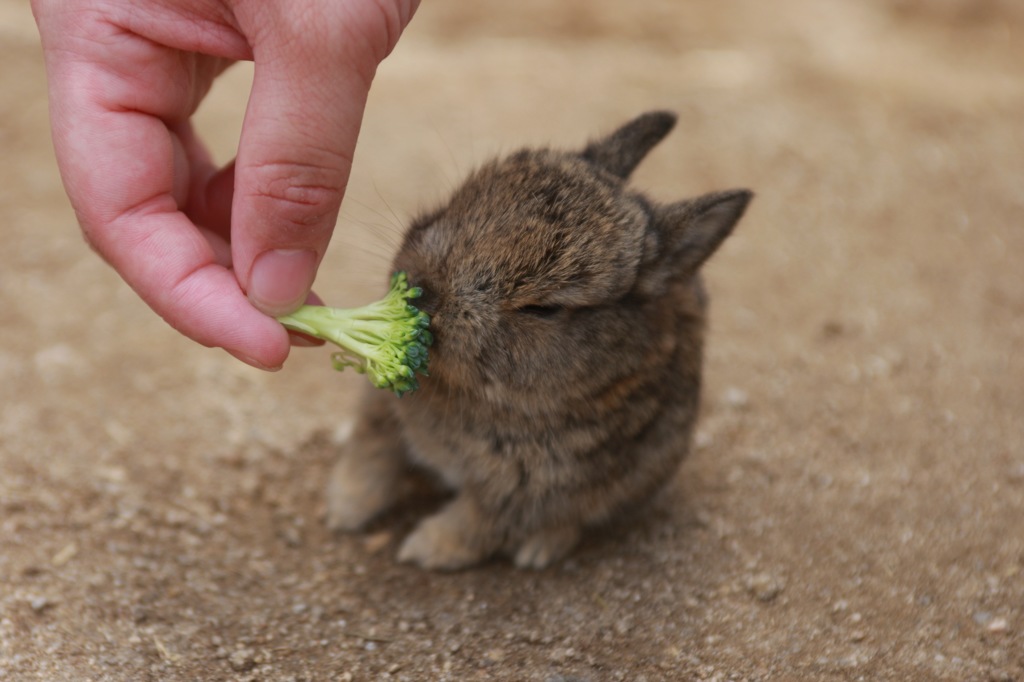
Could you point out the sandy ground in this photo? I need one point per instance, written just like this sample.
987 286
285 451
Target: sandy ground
854 510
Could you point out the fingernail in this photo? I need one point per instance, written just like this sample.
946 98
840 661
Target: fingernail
281 279
252 363
303 341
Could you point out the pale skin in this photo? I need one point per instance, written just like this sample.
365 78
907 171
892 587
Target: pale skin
217 252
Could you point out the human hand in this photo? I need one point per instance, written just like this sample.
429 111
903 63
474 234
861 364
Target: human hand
216 252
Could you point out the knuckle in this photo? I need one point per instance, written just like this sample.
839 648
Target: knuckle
297 193
368 29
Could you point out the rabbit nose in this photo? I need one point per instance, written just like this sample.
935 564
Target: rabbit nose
427 301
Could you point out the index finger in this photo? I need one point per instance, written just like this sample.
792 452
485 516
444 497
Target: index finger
313 66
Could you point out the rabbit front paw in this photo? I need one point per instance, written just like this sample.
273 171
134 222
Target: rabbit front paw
447 541
359 490
547 546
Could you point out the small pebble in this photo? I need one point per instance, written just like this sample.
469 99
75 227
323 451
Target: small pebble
765 587
65 555
292 536
242 660
39 604
999 624
735 397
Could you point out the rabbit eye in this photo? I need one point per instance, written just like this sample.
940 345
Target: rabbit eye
542 311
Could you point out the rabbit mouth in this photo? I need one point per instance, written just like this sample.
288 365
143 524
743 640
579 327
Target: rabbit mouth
473 378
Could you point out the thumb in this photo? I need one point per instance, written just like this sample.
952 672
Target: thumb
313 68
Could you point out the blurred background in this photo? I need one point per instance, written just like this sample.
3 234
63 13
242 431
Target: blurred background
852 508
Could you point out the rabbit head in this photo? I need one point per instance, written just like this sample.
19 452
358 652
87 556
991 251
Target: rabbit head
542 272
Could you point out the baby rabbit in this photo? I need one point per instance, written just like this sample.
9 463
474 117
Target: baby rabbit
568 315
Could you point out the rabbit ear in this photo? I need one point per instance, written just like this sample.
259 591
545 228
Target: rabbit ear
696 228
686 233
623 150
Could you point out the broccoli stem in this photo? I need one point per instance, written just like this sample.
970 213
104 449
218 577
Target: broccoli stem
387 340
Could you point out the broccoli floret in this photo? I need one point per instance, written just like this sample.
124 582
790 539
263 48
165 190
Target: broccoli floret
386 340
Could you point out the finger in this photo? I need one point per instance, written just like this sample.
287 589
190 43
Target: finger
312 75
194 162
203 191
208 203
162 255
118 162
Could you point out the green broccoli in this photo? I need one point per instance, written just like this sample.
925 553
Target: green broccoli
386 340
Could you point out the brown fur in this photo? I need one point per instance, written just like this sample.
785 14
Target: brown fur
568 314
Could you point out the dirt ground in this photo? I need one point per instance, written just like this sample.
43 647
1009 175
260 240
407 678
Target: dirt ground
854 509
